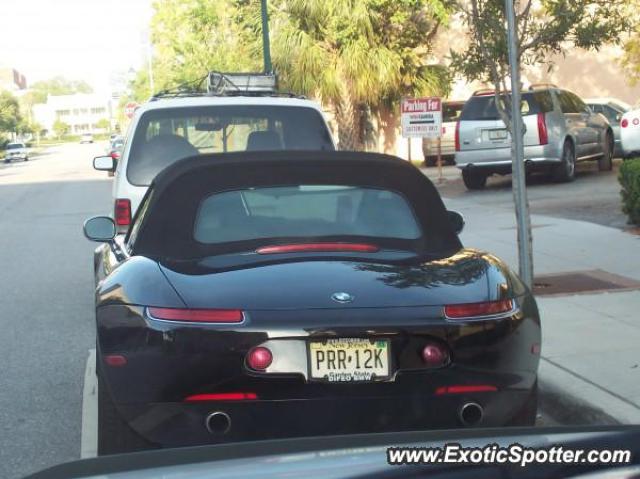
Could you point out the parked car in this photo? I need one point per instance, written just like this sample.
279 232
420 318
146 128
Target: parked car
560 130
450 114
16 151
278 294
86 138
630 133
173 127
612 109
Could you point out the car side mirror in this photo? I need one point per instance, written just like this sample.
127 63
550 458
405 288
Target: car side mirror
104 163
100 228
456 220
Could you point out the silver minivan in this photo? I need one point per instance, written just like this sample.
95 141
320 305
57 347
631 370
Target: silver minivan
560 129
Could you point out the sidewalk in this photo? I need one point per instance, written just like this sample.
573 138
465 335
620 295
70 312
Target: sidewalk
590 342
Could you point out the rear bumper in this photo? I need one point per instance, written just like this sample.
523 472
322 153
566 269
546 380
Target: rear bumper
184 424
499 159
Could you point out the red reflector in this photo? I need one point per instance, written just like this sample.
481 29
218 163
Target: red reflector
474 310
318 247
461 389
543 137
259 358
123 212
221 397
197 315
434 355
115 360
624 123
457 136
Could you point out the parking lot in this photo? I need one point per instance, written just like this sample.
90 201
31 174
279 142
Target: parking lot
47 295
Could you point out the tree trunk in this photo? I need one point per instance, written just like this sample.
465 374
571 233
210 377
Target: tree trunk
349 120
388 123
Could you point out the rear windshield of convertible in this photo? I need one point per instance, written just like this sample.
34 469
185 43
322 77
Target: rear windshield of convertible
167 135
304 211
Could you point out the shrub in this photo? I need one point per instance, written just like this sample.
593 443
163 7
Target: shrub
629 178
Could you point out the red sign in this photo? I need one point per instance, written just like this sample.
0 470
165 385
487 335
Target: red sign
130 108
421 105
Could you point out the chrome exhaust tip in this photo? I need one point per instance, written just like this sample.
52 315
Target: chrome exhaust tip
471 413
218 423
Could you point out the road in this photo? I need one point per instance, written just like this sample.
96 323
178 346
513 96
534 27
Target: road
46 292
594 195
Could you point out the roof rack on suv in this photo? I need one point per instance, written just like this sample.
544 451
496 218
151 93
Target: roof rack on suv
228 84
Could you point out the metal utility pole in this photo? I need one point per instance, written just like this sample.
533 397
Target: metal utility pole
150 64
266 47
523 220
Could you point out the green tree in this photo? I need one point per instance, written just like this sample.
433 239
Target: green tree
357 55
9 112
544 28
60 128
103 124
56 86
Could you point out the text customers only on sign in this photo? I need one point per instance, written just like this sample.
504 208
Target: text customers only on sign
421 117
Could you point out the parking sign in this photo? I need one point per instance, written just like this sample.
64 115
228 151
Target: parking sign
421 117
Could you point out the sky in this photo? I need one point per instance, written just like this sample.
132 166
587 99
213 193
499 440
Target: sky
79 39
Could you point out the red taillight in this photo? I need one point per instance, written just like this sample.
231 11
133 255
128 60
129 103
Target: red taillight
259 358
457 136
434 355
221 397
115 360
115 155
197 315
319 247
624 123
123 212
543 136
465 388
476 310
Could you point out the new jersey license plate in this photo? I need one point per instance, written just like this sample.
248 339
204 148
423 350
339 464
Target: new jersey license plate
348 359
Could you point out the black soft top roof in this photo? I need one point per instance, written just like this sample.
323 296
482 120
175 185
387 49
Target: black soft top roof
173 199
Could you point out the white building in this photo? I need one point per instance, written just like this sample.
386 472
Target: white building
81 111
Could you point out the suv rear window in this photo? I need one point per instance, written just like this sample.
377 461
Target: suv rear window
451 111
483 107
165 136
305 211
15 146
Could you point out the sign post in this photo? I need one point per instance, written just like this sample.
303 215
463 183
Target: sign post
422 118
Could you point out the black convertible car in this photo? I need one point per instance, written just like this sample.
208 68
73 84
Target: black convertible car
282 294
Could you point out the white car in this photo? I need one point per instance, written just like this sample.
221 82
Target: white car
16 151
169 128
86 138
630 133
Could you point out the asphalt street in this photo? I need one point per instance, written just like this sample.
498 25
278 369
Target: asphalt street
46 298
594 196
46 294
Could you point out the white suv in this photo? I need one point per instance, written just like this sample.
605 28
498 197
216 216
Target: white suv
168 129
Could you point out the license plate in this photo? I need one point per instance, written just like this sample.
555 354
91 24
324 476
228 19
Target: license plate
349 360
497 134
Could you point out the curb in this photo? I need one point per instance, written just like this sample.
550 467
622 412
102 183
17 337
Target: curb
572 400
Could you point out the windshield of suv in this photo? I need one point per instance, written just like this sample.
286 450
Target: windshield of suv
164 136
15 146
304 211
483 107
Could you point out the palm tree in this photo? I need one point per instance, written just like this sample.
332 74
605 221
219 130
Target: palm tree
352 55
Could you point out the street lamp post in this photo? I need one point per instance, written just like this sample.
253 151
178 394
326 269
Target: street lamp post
523 220
266 48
